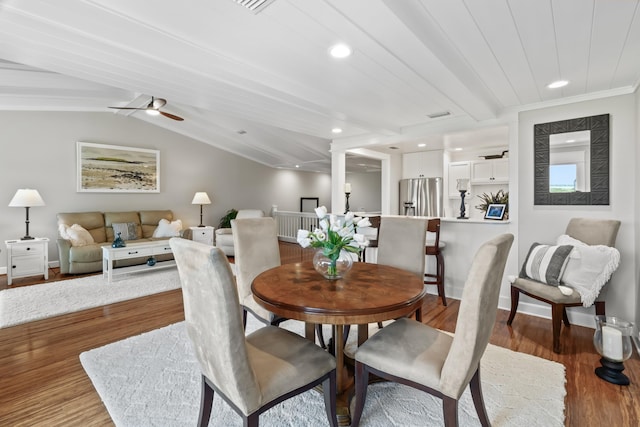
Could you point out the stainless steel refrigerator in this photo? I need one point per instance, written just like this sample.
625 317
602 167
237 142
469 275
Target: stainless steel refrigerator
421 197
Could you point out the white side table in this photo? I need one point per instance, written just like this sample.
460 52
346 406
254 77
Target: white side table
27 258
202 234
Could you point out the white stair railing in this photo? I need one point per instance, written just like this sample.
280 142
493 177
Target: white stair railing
290 222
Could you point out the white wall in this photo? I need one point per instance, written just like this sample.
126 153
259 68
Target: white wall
544 223
38 150
636 222
395 175
365 191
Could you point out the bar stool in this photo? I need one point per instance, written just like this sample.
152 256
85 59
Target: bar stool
373 243
434 248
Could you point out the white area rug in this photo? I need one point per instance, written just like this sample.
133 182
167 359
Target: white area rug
153 379
29 303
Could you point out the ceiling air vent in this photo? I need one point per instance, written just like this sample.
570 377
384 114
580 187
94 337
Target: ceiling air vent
440 114
254 6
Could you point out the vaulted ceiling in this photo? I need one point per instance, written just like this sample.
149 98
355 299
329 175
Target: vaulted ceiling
263 86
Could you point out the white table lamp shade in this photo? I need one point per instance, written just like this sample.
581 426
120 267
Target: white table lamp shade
201 198
26 197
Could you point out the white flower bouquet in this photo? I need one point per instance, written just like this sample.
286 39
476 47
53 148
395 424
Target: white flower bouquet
335 235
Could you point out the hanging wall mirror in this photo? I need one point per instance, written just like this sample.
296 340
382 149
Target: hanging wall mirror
571 162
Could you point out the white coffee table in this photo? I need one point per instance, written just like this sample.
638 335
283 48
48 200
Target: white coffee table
134 250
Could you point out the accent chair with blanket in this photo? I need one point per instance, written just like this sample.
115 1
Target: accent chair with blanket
571 273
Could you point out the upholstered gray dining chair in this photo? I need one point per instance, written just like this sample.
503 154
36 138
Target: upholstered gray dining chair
252 373
590 231
414 354
256 250
401 244
224 236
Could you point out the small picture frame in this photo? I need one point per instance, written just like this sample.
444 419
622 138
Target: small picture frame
495 211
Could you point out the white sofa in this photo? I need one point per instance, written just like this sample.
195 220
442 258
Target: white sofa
224 236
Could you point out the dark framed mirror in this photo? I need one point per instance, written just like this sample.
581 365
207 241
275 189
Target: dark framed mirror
571 161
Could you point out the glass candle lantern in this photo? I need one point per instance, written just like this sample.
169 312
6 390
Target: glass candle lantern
462 186
612 340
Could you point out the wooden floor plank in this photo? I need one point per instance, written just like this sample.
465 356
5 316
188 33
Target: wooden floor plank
43 384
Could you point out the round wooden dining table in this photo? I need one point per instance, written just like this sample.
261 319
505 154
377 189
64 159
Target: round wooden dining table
369 293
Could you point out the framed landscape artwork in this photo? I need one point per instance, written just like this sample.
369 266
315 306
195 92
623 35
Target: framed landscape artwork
115 169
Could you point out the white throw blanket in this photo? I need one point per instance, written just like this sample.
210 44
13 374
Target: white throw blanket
589 268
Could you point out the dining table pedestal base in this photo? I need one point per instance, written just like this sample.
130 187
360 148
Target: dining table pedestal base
369 293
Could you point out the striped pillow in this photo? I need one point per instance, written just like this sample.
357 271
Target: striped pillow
545 263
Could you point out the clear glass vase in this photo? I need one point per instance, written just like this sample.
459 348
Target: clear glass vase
332 269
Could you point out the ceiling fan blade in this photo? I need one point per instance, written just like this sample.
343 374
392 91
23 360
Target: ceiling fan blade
128 108
172 116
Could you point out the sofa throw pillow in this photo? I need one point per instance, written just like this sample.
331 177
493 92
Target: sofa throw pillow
546 263
127 230
168 229
76 234
589 268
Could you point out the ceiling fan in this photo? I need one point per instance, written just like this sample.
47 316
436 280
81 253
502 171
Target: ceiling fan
153 108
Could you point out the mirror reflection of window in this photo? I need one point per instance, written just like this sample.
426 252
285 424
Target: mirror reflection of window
562 178
569 162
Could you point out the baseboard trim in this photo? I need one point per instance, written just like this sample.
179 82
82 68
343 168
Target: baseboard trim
52 264
577 315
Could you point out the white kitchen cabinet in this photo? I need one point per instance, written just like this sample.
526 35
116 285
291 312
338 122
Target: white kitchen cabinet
456 171
493 171
423 164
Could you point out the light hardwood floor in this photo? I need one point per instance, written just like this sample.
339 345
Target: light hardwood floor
43 384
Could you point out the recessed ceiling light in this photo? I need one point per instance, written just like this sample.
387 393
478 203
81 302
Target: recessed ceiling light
422 145
557 84
297 166
457 149
340 50
336 130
